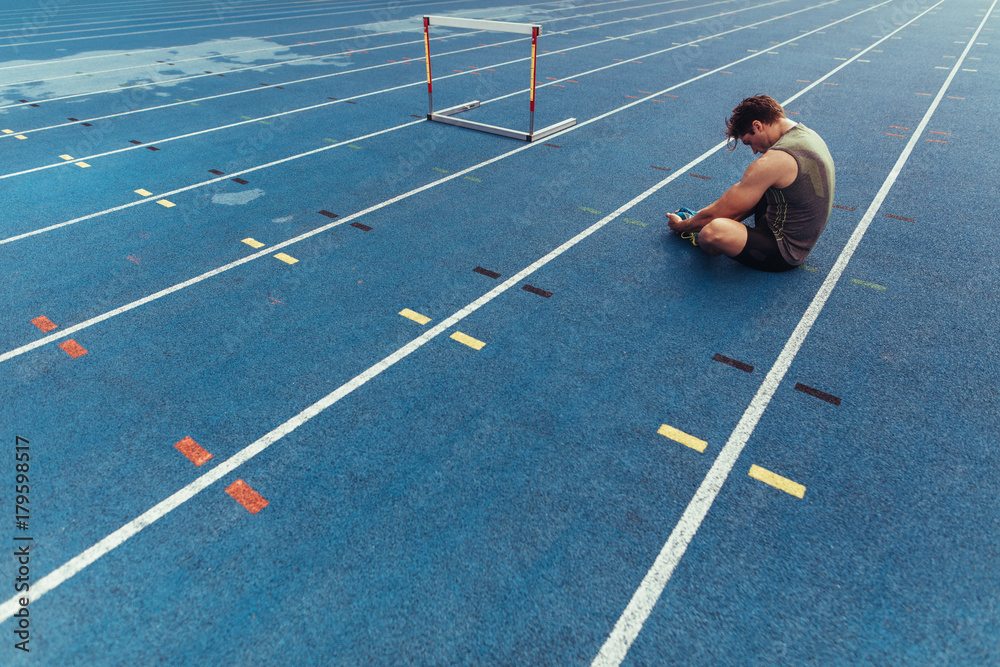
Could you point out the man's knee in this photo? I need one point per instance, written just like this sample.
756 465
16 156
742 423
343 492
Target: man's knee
721 235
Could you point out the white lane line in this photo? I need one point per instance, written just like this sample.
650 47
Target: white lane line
139 19
645 597
209 274
377 92
174 80
115 539
245 39
209 26
30 346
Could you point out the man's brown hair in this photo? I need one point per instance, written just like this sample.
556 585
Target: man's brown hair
759 107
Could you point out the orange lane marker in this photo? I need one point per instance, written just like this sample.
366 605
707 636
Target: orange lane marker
44 323
72 348
897 127
890 134
191 449
246 496
944 133
937 141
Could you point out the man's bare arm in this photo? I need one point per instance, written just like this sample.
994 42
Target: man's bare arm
774 168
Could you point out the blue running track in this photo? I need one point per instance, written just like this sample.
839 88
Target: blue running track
293 376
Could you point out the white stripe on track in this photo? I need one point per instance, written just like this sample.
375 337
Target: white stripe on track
287 34
118 537
143 19
170 290
209 26
65 163
645 597
171 81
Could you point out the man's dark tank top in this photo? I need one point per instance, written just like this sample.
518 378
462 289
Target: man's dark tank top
797 214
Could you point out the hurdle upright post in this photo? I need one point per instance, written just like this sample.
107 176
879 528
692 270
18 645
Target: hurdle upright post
427 57
534 58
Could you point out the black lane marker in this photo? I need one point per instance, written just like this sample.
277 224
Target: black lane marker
846 208
707 178
553 146
333 98
328 214
133 141
897 217
733 362
279 87
216 172
240 181
152 148
412 116
660 168
486 272
364 228
32 105
822 395
350 102
86 124
535 290
73 119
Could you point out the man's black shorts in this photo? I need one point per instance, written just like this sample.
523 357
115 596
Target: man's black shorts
761 251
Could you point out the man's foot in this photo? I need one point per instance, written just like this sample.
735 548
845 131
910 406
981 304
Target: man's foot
690 236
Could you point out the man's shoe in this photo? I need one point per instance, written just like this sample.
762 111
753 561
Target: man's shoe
684 212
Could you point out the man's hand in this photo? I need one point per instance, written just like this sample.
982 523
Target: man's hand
678 224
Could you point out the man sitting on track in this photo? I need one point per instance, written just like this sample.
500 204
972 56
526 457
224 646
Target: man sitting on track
788 190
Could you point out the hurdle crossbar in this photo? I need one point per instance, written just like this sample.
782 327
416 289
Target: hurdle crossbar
445 116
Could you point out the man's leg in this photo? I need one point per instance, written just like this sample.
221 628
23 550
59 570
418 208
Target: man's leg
723 236
728 236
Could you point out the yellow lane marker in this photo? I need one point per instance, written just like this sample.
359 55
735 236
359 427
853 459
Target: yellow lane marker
83 165
777 481
683 438
20 136
416 317
164 202
468 340
144 193
253 243
8 131
66 157
287 259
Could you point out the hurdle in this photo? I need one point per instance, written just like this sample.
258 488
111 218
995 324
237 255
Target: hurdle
446 116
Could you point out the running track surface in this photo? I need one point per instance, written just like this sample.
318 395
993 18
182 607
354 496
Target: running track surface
305 379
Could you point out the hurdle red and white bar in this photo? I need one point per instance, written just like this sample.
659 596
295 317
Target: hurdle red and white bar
445 116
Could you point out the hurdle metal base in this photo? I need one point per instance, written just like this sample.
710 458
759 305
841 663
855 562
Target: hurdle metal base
445 116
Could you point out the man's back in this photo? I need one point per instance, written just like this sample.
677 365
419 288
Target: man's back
798 213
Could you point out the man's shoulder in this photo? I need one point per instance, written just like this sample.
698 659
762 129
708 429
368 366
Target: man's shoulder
776 166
